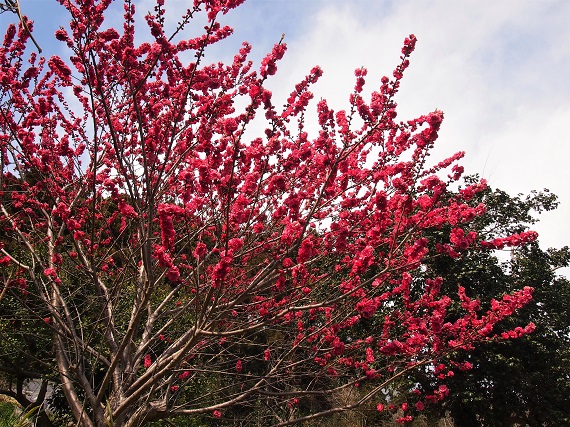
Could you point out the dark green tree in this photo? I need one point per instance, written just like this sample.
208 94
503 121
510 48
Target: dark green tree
517 381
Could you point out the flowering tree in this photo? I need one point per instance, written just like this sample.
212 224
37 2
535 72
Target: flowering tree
177 266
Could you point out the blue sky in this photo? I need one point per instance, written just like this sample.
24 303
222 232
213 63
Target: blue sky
499 69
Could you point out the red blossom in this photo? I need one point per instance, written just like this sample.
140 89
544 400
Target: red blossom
513 240
147 361
409 44
293 402
367 307
50 272
200 250
127 210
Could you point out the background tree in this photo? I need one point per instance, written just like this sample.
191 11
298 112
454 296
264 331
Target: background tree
512 381
182 268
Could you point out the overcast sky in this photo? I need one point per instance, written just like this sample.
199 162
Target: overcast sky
499 69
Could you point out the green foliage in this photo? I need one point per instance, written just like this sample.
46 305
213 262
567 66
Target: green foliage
8 416
11 416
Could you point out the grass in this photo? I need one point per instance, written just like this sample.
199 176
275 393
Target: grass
11 414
